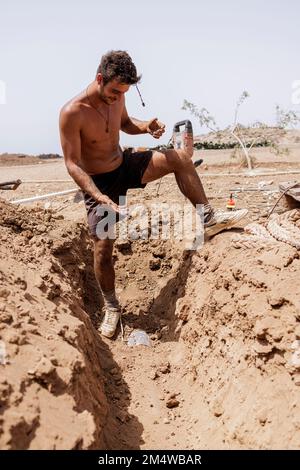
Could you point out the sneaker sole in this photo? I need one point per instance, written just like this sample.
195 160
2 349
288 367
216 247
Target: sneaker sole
107 335
217 228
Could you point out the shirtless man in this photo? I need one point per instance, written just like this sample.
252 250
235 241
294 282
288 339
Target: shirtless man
90 125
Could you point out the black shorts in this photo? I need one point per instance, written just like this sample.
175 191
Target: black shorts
115 184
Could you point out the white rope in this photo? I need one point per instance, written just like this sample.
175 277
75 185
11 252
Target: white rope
283 228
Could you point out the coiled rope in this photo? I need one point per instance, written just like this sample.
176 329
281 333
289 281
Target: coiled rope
279 228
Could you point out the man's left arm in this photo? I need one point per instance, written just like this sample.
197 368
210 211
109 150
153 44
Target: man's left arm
133 126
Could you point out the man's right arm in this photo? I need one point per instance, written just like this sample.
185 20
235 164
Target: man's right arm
69 126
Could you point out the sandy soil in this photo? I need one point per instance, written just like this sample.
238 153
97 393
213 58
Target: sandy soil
220 372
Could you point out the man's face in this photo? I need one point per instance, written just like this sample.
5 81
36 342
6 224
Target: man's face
112 91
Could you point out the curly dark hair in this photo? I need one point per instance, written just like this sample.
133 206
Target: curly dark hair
118 65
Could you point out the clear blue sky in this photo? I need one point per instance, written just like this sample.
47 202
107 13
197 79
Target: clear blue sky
205 51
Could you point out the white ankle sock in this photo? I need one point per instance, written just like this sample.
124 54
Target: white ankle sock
110 299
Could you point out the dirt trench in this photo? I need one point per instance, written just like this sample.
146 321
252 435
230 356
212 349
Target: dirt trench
58 377
222 369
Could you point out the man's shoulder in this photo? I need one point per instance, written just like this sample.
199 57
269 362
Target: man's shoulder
70 114
71 109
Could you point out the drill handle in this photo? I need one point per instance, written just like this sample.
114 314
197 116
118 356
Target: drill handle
187 126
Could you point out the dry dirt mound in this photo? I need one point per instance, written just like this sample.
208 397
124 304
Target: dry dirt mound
248 134
224 367
13 159
223 370
240 316
51 383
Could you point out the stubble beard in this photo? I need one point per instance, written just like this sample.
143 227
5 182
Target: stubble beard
103 98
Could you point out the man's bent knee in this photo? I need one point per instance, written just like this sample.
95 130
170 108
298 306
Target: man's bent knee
183 160
165 162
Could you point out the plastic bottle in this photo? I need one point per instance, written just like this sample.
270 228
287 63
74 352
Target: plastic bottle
137 337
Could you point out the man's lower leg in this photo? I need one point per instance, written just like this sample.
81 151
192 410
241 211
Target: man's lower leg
190 185
105 275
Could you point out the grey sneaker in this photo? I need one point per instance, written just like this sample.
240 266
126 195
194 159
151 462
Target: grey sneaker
223 220
110 321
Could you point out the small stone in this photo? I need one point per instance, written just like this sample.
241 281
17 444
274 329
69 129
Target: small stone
262 417
41 228
165 368
217 409
159 252
263 349
276 300
43 369
6 317
21 283
5 293
166 421
172 403
153 375
269 326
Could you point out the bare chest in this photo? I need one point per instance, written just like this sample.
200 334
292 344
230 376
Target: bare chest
101 128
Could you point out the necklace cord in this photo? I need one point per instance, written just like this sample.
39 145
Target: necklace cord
106 119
